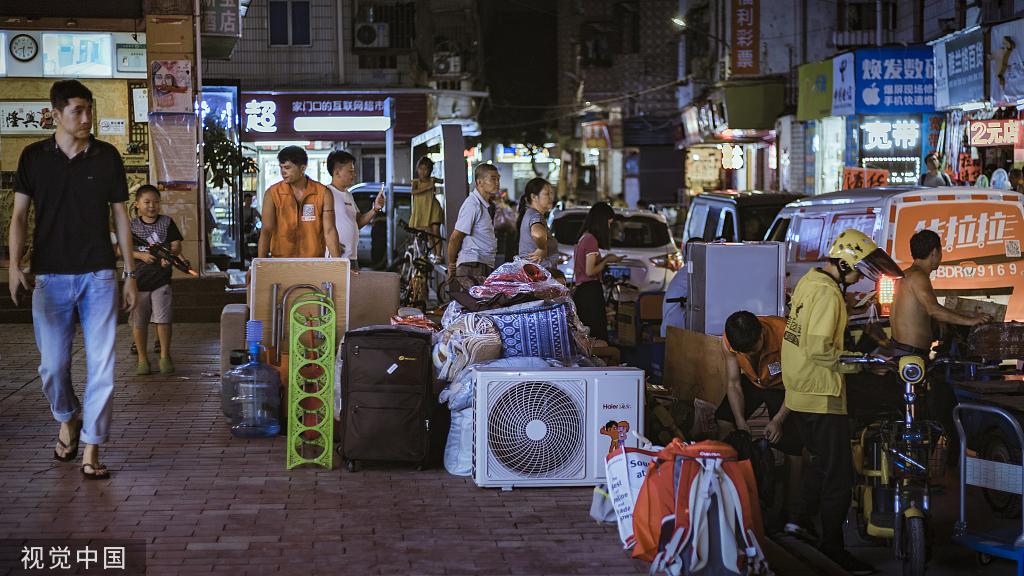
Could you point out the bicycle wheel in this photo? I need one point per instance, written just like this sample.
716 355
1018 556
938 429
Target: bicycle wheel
406 270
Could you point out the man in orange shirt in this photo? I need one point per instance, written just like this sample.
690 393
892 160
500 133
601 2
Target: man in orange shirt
298 213
753 369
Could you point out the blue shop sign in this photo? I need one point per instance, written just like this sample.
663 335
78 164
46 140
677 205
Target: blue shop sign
895 80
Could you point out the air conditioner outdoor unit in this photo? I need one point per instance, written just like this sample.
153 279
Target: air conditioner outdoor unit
553 427
372 35
447 64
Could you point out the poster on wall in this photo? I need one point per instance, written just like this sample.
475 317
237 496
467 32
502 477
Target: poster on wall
130 58
1006 65
843 84
854 177
174 143
26 117
814 96
895 79
171 81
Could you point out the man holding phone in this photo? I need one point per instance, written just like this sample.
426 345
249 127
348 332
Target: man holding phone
347 218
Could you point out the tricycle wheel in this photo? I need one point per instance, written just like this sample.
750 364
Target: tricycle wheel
995 448
915 547
983 559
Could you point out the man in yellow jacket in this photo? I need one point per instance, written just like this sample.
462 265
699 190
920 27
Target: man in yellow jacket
815 389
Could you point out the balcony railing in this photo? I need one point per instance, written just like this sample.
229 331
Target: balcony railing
851 38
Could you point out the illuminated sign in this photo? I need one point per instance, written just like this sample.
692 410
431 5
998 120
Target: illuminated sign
895 79
994 132
357 117
893 144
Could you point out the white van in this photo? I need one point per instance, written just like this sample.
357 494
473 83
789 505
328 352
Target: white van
981 231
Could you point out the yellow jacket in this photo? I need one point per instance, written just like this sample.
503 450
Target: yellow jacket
812 345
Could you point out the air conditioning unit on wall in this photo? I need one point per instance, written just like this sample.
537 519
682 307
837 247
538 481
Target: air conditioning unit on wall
372 35
553 427
447 64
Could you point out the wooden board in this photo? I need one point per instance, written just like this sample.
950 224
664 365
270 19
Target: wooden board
694 365
290 271
373 298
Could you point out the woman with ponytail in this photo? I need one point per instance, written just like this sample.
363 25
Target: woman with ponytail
536 242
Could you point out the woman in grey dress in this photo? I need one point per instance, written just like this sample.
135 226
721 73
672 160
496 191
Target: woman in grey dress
536 242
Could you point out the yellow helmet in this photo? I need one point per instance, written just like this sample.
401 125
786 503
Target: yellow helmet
859 252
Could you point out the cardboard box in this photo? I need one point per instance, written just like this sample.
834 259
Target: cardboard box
169 35
694 365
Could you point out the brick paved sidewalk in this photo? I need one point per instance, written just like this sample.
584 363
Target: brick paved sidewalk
206 501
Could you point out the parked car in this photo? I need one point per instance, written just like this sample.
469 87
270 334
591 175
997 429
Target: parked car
733 216
980 229
373 238
642 238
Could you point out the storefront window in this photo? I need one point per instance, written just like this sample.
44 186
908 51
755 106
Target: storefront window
828 161
224 203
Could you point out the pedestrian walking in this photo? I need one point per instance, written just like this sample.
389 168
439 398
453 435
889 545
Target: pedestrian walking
153 277
74 182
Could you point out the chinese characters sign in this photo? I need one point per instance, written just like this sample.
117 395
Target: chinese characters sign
892 80
745 38
325 116
960 70
864 177
25 118
892 143
843 84
221 18
46 556
994 132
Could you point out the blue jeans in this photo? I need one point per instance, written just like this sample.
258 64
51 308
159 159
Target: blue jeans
54 301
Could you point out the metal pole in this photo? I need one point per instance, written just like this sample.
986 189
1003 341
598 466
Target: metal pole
197 71
389 178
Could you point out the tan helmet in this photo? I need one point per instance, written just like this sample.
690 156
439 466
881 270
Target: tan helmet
859 252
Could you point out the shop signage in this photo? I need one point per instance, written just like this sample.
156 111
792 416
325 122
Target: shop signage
745 38
854 177
960 70
994 132
814 96
892 143
26 118
221 18
895 79
843 84
1006 69
596 135
313 116
113 126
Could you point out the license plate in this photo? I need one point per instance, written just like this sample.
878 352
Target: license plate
619 272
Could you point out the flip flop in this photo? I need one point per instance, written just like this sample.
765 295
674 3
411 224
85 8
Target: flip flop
71 446
99 472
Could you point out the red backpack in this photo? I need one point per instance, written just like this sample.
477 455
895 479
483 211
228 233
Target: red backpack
698 513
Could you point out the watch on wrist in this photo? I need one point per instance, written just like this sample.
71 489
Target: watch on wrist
126 274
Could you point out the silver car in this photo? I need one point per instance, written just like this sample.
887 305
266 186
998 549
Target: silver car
642 238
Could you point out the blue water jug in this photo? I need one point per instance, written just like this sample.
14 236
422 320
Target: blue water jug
255 403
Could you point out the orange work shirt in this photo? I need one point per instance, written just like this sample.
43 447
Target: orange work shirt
299 226
768 372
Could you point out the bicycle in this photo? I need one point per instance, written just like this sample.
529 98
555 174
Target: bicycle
420 271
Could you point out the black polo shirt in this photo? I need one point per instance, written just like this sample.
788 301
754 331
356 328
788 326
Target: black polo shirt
72 200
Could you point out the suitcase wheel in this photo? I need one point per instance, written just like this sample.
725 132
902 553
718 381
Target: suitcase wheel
350 465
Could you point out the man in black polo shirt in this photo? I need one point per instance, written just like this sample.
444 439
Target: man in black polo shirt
74 181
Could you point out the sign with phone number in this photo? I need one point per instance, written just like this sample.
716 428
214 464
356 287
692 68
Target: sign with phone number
982 271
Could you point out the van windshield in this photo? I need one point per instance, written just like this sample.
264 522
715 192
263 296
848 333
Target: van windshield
755 220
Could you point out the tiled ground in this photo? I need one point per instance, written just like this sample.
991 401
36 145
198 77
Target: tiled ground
206 501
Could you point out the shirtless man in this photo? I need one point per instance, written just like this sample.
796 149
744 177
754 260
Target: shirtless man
913 308
914 304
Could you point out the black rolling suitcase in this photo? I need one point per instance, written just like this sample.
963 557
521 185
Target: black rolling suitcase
387 395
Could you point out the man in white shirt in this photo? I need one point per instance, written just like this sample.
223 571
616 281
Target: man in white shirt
347 219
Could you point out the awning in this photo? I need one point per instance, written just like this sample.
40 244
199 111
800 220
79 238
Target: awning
754 106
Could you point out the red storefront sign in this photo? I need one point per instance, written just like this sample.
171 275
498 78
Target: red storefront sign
1004 132
329 116
745 37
